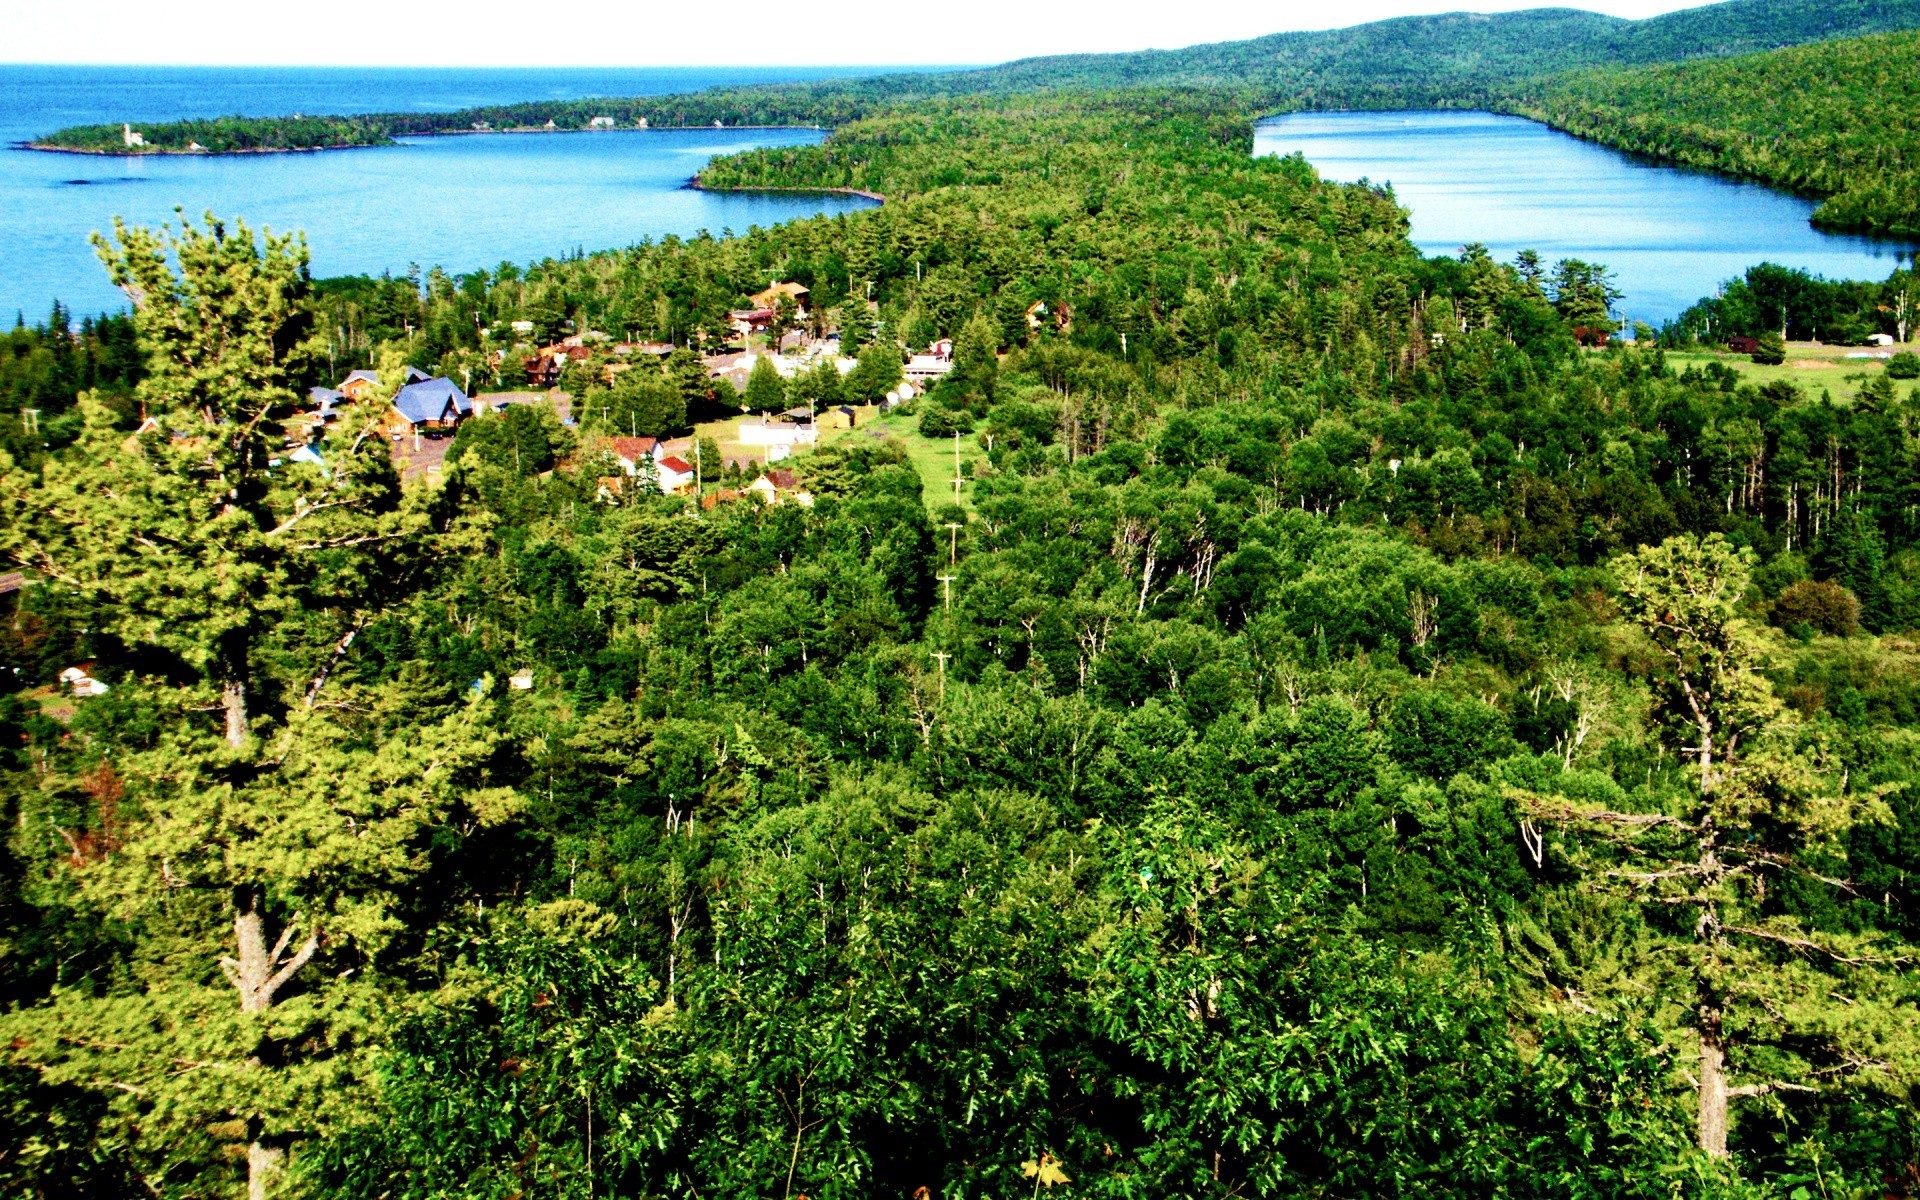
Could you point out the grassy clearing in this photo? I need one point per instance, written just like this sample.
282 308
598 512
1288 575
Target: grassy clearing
931 457
1811 368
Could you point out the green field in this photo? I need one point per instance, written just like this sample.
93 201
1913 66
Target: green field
1812 369
932 457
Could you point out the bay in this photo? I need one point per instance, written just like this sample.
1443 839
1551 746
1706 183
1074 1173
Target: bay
461 202
1671 235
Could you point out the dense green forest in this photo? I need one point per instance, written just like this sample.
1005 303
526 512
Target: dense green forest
1834 119
1346 741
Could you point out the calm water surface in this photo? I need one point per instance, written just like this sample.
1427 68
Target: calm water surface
1671 235
458 202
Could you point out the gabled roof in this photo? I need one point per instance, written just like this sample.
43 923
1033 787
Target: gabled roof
413 375
677 465
633 449
782 479
323 396
432 400
771 296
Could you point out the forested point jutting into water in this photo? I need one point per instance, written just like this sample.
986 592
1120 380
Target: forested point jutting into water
1264 713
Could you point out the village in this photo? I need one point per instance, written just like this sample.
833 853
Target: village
777 331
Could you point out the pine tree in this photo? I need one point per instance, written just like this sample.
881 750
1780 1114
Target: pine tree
766 391
1770 1001
279 835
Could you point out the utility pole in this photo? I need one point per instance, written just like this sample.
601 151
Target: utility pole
30 420
947 583
956 468
953 543
943 657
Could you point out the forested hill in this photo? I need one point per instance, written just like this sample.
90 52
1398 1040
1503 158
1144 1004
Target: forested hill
1838 119
1434 58
1453 58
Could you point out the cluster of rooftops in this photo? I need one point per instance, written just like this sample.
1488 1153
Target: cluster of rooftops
423 401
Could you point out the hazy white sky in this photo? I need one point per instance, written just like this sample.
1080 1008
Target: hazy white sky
650 33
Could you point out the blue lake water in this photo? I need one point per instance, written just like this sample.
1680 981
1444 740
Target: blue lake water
475 201
459 202
1671 235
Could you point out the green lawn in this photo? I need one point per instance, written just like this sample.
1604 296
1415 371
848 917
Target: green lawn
1812 369
932 457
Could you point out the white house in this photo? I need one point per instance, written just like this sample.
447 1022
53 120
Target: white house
776 433
928 366
676 473
80 683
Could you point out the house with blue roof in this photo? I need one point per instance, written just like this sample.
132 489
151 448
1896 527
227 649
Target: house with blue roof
433 404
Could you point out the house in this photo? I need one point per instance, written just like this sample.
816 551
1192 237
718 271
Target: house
434 404
780 487
927 366
1743 345
611 488
782 433
544 368
676 474
358 383
770 299
601 123
521 680
748 321
80 681
942 349
632 451
1038 312
1586 335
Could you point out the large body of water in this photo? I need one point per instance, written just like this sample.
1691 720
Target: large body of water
1671 235
458 202
476 201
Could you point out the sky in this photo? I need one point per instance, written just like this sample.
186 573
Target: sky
647 33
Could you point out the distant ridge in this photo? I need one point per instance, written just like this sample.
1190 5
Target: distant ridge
1427 54
1445 60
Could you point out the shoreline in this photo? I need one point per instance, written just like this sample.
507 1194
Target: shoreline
392 140
694 184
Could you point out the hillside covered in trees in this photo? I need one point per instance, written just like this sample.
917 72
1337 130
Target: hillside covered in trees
1448 60
1346 740
1837 119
